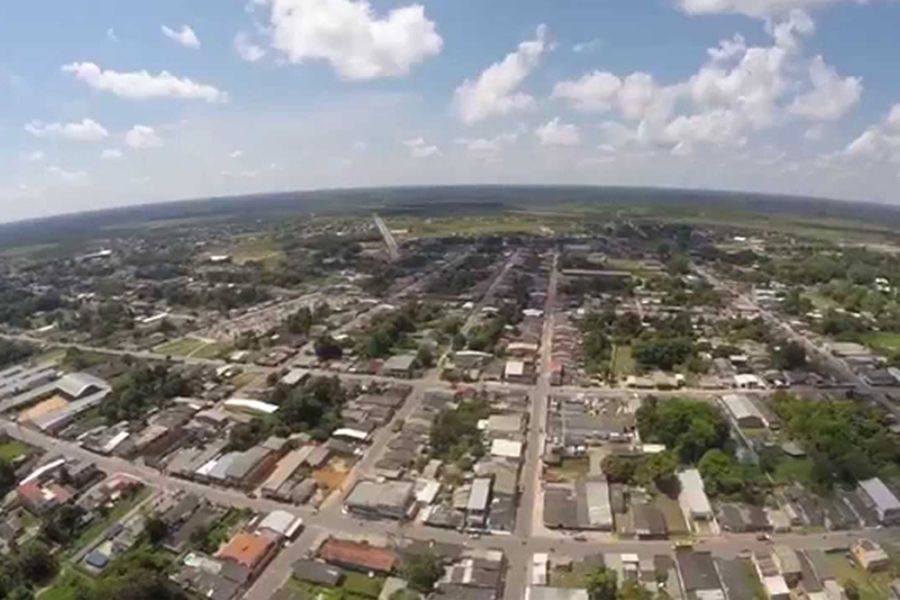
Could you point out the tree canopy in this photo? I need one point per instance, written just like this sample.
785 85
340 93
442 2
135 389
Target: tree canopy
688 428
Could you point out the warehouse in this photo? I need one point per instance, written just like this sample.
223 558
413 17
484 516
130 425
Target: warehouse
883 500
390 500
743 411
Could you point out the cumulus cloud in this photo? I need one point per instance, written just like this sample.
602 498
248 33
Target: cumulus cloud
487 148
111 154
751 8
356 41
878 142
142 136
246 49
87 130
184 36
419 148
142 85
36 156
831 96
496 91
557 133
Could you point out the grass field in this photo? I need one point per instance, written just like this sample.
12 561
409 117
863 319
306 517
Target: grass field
884 342
212 351
12 450
623 363
820 301
180 347
356 586
262 250
245 379
794 469
573 579
64 588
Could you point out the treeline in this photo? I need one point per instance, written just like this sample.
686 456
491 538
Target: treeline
13 352
143 388
846 440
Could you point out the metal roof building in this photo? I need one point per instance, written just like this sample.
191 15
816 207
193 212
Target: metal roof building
743 410
886 503
693 497
480 495
599 509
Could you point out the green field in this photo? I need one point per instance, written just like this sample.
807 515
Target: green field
888 343
12 450
356 586
794 470
180 347
212 351
571 469
623 363
820 301
64 588
262 250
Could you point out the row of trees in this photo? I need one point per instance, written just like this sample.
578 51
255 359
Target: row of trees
143 388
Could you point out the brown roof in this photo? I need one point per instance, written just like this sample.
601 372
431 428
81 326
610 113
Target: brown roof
247 549
357 554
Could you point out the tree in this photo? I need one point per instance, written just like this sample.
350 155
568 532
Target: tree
601 584
36 563
328 349
789 356
157 530
423 571
851 589
688 428
7 477
425 357
632 590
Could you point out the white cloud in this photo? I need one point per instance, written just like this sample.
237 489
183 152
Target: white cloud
751 8
728 49
878 142
496 91
36 156
185 36
67 177
588 46
419 148
592 92
831 96
246 49
87 130
236 154
814 134
557 133
141 136
357 42
111 154
111 35
487 148
361 145
141 85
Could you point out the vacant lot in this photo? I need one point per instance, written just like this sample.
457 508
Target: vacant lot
623 363
182 347
571 469
12 450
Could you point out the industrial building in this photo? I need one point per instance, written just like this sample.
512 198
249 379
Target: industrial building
389 500
693 498
883 500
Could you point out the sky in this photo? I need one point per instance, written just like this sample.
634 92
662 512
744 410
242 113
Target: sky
107 103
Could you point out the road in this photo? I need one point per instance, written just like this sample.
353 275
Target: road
520 559
488 295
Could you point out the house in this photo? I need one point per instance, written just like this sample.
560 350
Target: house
594 495
515 372
389 500
748 381
317 572
250 550
358 556
886 504
692 497
649 523
479 502
38 498
698 575
402 366
870 555
788 564
506 449
281 523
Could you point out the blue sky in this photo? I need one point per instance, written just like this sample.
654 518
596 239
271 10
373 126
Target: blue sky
106 103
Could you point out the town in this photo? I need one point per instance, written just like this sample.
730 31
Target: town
500 406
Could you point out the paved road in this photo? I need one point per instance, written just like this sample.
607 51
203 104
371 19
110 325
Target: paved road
488 295
519 558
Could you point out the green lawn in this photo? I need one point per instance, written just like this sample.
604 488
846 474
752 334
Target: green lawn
794 469
212 351
64 588
180 347
244 379
888 343
820 301
623 363
12 450
356 586
573 579
263 250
